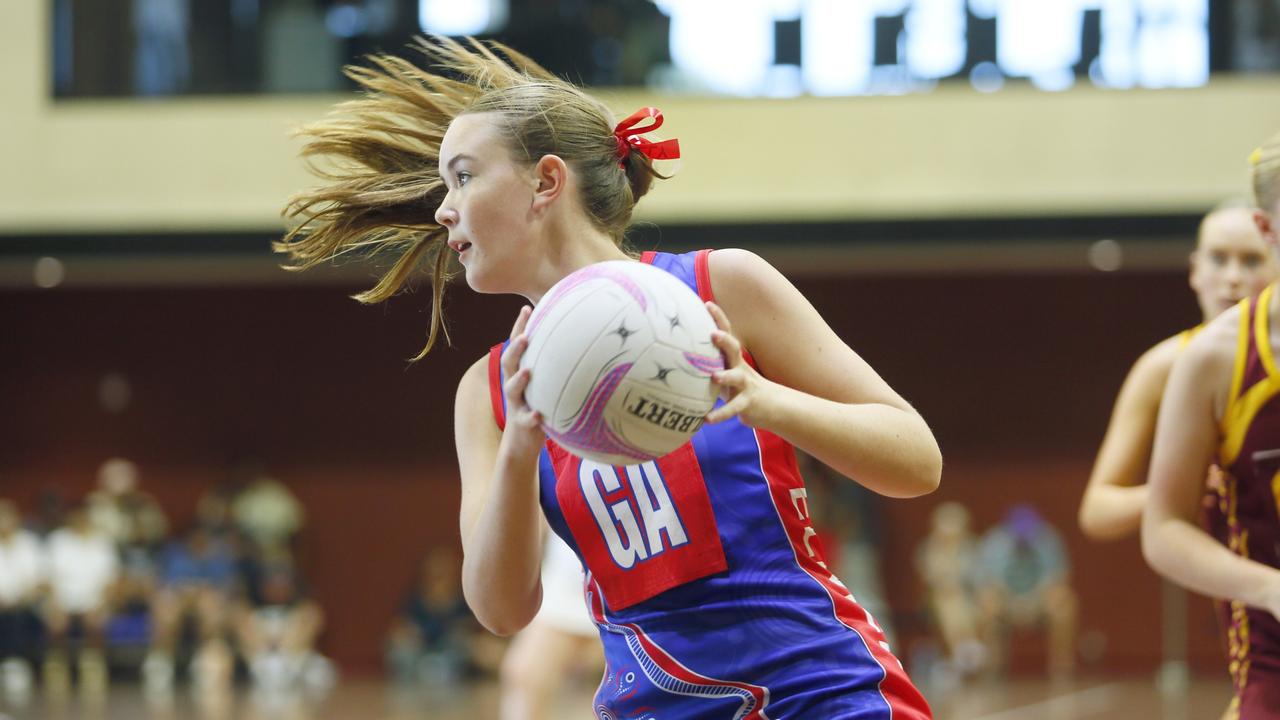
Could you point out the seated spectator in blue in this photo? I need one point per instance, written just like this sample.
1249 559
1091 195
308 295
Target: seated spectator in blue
82 569
213 512
197 581
432 638
1022 576
134 520
277 626
21 578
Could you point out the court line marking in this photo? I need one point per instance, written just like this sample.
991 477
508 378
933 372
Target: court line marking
1098 697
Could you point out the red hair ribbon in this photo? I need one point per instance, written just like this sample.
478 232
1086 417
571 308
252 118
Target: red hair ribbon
628 137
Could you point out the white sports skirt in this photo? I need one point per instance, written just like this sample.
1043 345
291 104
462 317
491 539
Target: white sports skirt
563 605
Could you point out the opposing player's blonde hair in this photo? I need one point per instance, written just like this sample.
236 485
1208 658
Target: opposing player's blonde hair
1266 174
382 158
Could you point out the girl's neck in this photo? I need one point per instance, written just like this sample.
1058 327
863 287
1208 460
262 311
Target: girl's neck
571 252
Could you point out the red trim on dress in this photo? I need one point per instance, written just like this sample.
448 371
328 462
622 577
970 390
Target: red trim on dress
702 275
778 465
495 386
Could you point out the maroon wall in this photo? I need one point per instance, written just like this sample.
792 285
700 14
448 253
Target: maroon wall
1015 374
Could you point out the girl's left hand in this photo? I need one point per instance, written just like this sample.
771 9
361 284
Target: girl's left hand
747 394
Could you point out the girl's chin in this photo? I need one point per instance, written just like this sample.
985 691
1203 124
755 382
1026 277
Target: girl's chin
478 281
490 278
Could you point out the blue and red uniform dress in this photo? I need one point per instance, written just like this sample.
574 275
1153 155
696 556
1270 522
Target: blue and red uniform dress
708 584
1247 517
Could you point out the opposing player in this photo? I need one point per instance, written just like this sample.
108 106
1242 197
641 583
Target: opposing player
712 598
1220 407
560 641
1230 262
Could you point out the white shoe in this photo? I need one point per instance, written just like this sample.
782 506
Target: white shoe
970 657
17 679
157 672
271 671
318 673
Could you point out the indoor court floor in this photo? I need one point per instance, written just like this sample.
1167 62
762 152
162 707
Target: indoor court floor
1084 699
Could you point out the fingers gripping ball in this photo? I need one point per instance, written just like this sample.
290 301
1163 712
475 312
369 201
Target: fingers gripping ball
621 359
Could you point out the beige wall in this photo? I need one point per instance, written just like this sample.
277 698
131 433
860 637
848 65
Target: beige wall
226 164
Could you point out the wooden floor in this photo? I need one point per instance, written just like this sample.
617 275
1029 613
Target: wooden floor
1090 699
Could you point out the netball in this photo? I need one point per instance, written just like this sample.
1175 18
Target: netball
621 360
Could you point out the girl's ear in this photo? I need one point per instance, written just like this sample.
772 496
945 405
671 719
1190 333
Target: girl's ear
552 176
1266 226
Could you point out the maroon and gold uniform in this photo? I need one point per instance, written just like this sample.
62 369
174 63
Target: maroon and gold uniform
1249 455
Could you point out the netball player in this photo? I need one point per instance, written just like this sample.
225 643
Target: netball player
1230 262
1220 407
715 603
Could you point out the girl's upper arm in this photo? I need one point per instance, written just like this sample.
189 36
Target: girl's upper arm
1186 434
1126 446
477 436
789 340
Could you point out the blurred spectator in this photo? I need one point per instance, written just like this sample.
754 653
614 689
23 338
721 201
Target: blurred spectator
213 513
121 510
277 627
197 580
137 525
82 570
946 562
1022 575
435 638
853 554
21 577
51 508
269 516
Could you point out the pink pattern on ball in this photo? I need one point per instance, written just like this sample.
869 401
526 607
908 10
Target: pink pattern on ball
704 363
589 431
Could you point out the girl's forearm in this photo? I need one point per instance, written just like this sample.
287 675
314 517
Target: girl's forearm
502 562
887 449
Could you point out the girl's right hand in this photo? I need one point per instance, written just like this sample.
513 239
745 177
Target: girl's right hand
523 434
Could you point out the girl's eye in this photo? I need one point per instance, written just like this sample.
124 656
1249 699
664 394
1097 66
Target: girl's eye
463 177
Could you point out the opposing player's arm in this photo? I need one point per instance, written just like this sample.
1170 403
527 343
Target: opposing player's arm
499 519
815 392
1186 435
1117 491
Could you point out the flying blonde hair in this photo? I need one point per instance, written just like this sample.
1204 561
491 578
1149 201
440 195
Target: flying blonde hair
382 159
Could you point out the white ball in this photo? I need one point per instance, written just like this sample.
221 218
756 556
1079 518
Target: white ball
621 358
